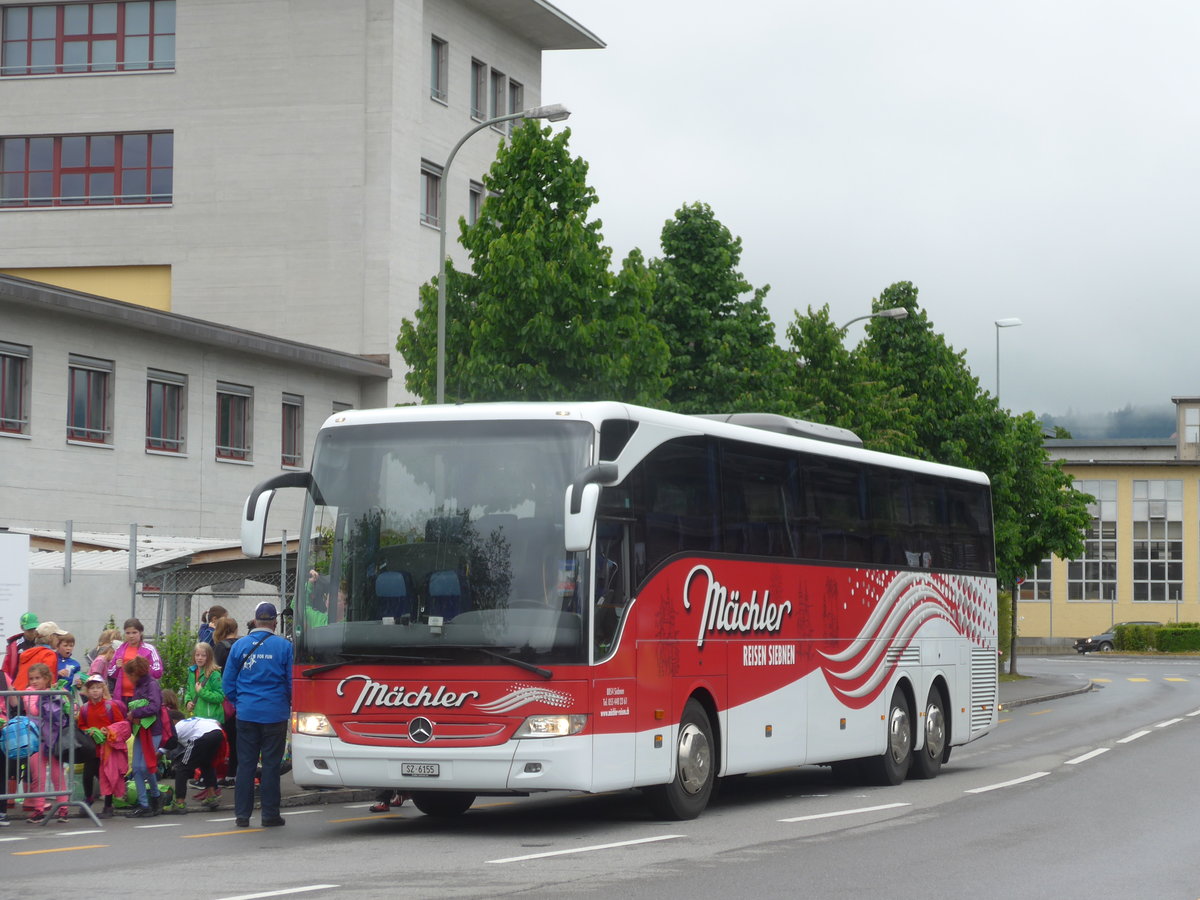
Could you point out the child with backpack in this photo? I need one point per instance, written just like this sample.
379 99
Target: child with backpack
45 768
97 717
146 723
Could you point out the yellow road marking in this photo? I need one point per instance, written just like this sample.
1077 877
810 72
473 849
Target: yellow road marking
1041 712
1101 681
58 850
1138 680
221 833
1002 721
1174 679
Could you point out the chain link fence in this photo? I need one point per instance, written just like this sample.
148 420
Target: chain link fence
166 597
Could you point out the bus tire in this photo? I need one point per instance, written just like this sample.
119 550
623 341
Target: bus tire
927 761
442 804
686 795
891 766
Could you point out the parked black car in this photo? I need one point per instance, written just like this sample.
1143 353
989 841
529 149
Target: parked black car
1105 642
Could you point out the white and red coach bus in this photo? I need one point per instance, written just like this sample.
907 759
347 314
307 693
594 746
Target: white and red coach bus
511 598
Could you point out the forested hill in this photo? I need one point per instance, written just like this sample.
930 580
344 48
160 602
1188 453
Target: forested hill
1130 422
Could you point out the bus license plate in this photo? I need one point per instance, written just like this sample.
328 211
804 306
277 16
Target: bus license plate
421 770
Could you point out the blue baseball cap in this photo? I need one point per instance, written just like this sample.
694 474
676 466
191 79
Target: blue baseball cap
265 611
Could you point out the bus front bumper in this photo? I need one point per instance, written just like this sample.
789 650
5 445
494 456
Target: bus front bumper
545 764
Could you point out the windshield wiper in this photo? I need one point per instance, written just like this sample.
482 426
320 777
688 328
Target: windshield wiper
348 658
519 663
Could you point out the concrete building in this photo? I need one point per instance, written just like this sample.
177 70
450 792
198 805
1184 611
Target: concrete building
113 414
260 179
1142 552
266 166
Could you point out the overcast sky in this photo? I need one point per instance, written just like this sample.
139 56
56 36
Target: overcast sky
1032 158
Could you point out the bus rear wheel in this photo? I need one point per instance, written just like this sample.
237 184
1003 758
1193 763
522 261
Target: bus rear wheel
927 761
891 766
686 795
442 804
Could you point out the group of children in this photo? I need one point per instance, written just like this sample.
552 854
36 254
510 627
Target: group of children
121 709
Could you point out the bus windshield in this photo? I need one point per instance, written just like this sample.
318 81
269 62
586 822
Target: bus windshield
443 542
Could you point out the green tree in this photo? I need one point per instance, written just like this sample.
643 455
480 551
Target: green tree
540 316
722 343
1036 511
175 649
838 386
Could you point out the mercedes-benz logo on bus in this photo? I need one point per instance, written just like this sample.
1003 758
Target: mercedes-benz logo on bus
420 730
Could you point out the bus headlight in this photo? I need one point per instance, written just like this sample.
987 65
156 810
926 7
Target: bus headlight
551 726
312 723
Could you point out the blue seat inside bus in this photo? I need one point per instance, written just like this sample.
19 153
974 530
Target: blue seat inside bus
393 591
446 590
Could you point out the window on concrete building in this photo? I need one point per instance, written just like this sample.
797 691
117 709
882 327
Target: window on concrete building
292 447
498 96
474 202
1158 540
235 411
439 60
89 399
1094 575
431 179
516 102
166 411
479 90
1191 425
86 170
1036 586
66 39
14 388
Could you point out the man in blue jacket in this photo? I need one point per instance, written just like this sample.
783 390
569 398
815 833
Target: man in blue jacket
258 682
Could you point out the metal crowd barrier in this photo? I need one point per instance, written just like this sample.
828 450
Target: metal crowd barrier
21 775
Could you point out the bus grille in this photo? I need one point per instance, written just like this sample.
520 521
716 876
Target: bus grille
983 688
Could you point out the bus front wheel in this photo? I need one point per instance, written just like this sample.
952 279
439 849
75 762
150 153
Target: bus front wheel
686 795
442 804
891 766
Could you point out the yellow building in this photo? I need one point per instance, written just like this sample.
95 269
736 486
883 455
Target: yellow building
1141 558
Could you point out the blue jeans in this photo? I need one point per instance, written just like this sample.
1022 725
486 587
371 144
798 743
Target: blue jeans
141 773
253 739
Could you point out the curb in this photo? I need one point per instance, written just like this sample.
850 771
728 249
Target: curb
1043 698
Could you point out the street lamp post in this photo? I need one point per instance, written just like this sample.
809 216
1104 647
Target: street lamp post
895 312
1002 323
1012 646
555 112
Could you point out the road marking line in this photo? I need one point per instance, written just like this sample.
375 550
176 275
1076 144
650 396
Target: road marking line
71 834
1194 712
58 850
649 840
1101 681
223 833
1133 737
1168 722
1040 712
8 839
1138 680
161 824
1004 784
845 812
281 893
1092 755
301 812
1002 721
1175 679
357 805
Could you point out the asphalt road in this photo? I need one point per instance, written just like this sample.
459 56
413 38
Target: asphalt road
1092 795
